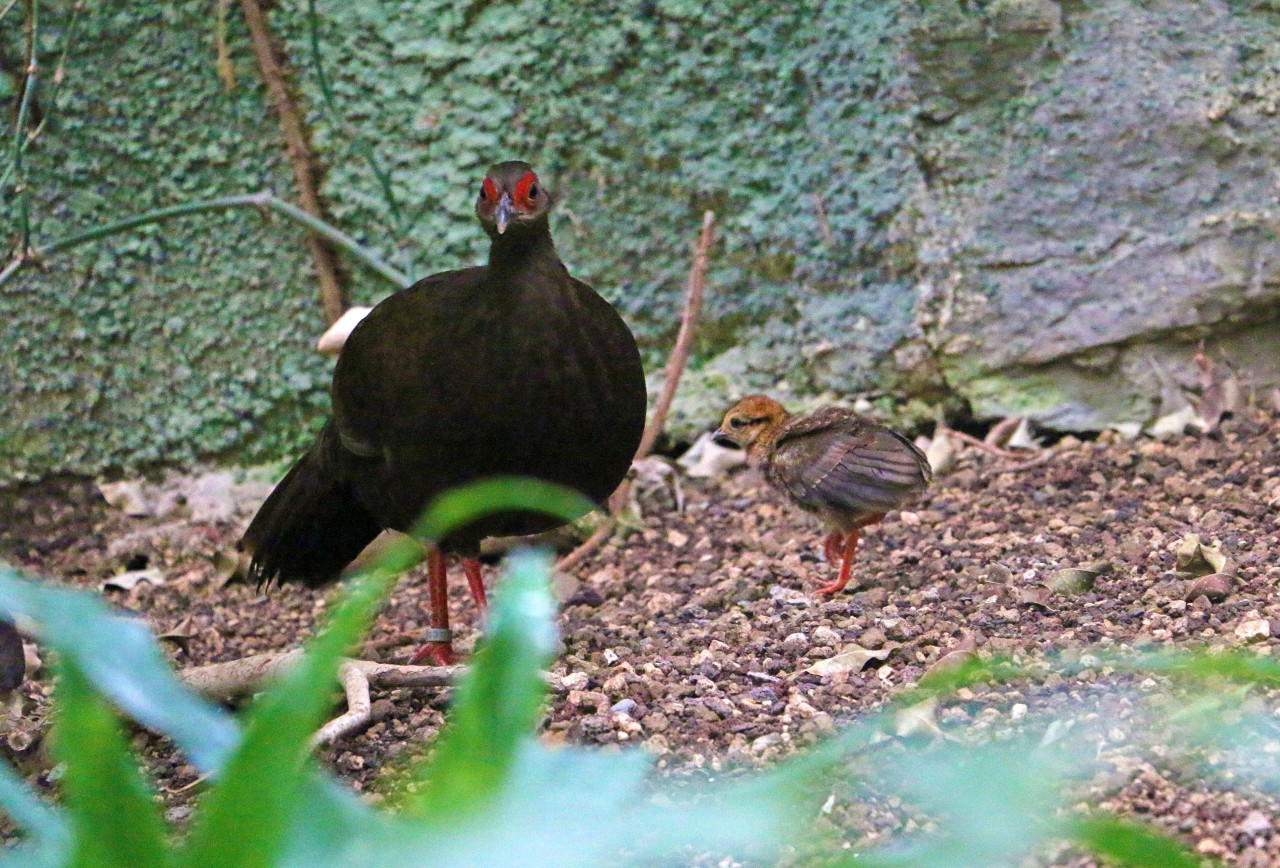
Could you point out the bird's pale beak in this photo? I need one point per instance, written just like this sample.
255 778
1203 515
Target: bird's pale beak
502 214
721 437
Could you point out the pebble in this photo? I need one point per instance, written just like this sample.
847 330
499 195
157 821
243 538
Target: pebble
1255 824
1253 629
1215 587
575 680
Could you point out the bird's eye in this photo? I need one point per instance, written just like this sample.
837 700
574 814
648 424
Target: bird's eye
533 192
482 191
737 422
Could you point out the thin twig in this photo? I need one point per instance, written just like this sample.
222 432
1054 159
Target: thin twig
260 201
1044 457
980 444
299 151
15 167
697 285
824 226
1002 430
226 69
587 547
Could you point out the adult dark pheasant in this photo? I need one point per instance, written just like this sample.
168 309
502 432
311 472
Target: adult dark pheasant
510 368
847 470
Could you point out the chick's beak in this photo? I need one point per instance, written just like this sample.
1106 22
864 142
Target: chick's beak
502 214
721 437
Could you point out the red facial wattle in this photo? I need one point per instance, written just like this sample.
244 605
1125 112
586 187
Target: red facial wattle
489 190
525 199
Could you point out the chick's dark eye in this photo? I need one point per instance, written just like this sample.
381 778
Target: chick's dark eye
736 422
533 192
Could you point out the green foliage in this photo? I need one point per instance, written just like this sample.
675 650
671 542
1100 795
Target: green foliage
114 819
244 820
463 505
499 706
490 791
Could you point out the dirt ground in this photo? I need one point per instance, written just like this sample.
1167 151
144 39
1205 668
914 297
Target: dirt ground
693 636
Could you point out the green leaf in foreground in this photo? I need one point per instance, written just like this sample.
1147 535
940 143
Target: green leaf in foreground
120 657
498 701
1130 844
460 506
115 820
46 834
246 818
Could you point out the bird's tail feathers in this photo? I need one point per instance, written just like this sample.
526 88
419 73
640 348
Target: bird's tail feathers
310 527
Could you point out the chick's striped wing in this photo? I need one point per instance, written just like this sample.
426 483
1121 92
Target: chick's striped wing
850 465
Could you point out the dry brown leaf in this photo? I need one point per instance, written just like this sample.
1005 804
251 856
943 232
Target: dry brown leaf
951 660
1194 558
1035 595
1077 580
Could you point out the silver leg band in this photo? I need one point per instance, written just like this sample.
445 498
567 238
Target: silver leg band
439 634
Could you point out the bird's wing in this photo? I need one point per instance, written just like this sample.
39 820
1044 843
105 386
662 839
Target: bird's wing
399 349
848 464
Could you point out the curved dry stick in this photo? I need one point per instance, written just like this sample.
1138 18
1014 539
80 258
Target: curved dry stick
236 678
587 547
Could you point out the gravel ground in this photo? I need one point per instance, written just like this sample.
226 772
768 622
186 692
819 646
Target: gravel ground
695 635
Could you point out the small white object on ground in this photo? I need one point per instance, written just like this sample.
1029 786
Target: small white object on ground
331 341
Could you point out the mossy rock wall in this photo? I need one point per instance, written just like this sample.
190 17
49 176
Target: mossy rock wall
1012 203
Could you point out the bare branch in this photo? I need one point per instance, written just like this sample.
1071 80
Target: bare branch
237 678
301 159
586 548
697 285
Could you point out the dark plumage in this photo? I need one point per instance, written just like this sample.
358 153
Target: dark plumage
512 368
847 470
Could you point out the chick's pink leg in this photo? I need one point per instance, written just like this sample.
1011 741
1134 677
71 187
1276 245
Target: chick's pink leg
833 546
846 563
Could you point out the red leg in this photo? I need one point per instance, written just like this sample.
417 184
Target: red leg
832 547
439 645
846 563
471 566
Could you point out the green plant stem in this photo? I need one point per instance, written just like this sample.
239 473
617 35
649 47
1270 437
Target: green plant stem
60 70
261 200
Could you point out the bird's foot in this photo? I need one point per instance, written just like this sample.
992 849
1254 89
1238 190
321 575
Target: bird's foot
831 589
439 653
438 648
